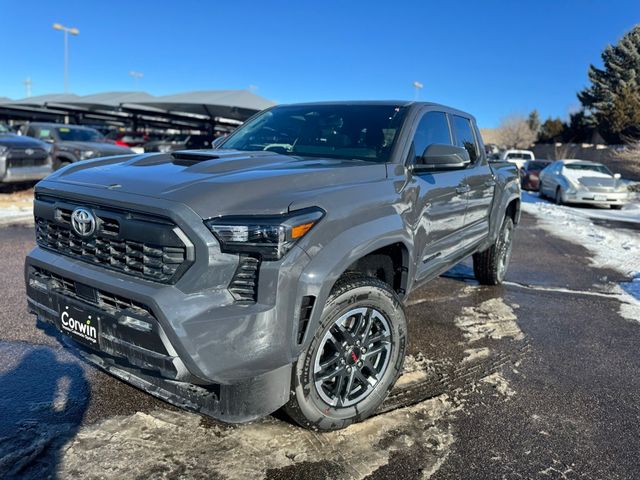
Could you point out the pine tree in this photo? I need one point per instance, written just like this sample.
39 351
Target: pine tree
614 95
551 131
534 121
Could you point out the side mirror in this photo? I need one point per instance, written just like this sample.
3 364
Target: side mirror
442 157
617 176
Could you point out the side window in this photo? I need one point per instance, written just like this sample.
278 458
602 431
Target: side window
433 128
465 137
32 132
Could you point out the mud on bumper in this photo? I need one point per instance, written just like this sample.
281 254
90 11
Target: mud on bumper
146 359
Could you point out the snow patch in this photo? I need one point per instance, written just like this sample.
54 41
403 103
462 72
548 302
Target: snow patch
612 248
491 319
474 354
167 444
497 381
615 249
416 369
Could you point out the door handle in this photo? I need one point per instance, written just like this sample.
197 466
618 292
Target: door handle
463 189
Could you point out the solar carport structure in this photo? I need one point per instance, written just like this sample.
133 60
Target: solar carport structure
204 110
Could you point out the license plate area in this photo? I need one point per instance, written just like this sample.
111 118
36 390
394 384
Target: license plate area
600 198
80 322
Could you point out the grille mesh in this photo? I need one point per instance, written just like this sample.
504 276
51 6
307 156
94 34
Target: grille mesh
140 259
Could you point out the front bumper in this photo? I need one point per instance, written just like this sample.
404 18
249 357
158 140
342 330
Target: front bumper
204 351
24 174
605 198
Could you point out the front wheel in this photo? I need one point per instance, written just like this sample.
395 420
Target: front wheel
491 265
354 358
558 198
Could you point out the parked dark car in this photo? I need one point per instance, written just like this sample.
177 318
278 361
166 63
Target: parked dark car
179 142
72 143
530 174
273 270
23 159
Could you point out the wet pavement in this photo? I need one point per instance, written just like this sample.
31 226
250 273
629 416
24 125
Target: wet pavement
534 379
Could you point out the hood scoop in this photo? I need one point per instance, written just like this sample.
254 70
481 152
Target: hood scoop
188 158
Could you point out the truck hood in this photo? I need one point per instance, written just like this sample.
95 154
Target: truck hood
221 182
20 141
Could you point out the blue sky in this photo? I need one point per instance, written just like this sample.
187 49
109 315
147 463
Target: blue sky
490 58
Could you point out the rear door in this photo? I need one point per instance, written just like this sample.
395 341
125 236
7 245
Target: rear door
441 199
478 179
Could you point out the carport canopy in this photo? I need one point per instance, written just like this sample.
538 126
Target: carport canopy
209 106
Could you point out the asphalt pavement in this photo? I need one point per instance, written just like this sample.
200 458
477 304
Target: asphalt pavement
534 379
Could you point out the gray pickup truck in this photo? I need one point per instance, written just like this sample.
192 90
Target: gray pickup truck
270 271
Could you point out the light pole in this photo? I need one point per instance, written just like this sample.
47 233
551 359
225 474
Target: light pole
136 77
27 86
67 31
418 86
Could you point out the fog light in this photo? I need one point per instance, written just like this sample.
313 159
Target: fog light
38 284
135 323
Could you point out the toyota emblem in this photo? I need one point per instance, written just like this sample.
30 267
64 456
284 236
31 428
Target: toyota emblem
83 222
29 151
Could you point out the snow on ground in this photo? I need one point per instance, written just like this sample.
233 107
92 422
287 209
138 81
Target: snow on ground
166 444
491 319
614 248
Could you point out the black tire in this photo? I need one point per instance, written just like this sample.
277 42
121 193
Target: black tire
58 163
558 197
310 405
540 191
491 265
616 207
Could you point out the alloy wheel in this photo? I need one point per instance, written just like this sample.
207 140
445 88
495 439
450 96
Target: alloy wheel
352 357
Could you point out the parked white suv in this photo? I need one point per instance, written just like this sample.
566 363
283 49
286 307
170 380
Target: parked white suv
519 157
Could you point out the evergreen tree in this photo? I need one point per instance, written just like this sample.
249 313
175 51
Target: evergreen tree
614 95
534 122
551 131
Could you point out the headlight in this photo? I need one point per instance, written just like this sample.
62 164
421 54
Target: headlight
3 150
268 236
85 154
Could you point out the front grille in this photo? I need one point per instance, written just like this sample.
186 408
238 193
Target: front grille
18 157
138 245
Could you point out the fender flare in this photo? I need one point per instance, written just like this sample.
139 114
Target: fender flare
332 260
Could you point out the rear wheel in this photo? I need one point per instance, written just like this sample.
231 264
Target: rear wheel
58 163
558 197
491 265
353 359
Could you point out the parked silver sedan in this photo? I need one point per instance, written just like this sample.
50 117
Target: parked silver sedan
581 181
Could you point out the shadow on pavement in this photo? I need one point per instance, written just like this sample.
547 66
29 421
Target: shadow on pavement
43 400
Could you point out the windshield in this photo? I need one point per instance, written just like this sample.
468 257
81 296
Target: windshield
519 155
363 132
536 166
3 130
79 135
588 167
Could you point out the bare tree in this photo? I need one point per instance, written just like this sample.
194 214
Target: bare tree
631 152
515 132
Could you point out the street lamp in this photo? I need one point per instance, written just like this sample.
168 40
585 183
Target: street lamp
67 31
